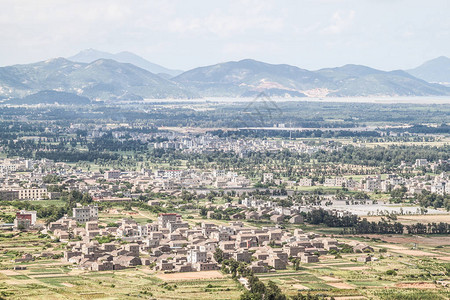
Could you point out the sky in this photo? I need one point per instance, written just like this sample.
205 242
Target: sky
180 34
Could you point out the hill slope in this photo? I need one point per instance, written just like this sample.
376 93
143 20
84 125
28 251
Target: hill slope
51 97
248 77
435 70
102 79
355 80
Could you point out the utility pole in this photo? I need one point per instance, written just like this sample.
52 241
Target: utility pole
290 130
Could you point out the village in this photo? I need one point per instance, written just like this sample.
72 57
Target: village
172 245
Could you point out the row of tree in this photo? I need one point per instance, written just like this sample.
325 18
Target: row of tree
354 225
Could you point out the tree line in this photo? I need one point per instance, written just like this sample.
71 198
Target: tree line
354 225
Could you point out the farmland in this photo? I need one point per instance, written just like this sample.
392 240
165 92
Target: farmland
413 271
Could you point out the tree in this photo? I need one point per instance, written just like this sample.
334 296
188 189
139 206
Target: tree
218 255
86 199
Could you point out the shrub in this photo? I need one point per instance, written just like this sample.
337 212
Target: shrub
391 272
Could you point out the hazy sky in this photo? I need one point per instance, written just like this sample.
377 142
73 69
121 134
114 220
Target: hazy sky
311 34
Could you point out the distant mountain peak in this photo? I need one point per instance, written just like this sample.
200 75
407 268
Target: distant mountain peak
57 60
91 55
441 59
434 70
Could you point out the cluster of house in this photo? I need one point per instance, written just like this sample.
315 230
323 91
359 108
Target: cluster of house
177 179
194 143
171 245
22 179
88 253
12 165
103 257
242 147
105 186
439 184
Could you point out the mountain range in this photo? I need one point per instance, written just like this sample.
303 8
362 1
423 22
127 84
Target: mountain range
238 78
108 79
103 79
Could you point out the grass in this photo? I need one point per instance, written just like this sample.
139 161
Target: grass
371 283
19 277
318 286
124 284
410 294
57 281
41 271
58 203
313 188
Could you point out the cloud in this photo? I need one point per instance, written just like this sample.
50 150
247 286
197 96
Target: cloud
253 48
340 21
184 34
225 25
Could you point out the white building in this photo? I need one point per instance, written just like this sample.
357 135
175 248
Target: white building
267 177
421 162
85 213
112 175
32 194
440 188
195 256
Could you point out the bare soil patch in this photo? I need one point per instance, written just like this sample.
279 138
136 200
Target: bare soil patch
9 272
341 285
415 252
329 278
394 247
447 258
416 285
326 257
350 298
300 287
420 240
67 284
21 282
191 275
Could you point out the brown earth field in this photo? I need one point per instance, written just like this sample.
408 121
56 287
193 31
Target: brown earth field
416 285
191 275
341 285
407 239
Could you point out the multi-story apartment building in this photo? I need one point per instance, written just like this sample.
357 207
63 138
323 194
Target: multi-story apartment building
85 213
32 194
25 219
